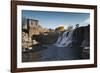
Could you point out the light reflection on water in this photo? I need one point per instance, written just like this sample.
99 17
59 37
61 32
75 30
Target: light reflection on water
52 53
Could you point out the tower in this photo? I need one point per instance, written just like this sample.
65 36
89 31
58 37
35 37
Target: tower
31 26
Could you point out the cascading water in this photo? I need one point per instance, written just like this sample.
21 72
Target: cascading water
61 50
66 47
65 39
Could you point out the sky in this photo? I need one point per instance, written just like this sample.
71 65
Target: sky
50 19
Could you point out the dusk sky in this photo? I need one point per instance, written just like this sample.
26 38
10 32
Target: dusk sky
49 19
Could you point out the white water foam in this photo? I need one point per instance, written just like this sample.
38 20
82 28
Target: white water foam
65 39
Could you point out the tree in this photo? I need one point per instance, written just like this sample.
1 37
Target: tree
60 28
77 25
70 28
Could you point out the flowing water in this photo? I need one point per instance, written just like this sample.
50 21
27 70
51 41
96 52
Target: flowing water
65 39
61 50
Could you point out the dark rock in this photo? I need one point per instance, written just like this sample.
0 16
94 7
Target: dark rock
81 34
81 39
49 38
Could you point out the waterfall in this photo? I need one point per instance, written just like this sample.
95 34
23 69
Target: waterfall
65 39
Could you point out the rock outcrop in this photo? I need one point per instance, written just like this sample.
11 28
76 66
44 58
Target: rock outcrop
81 36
